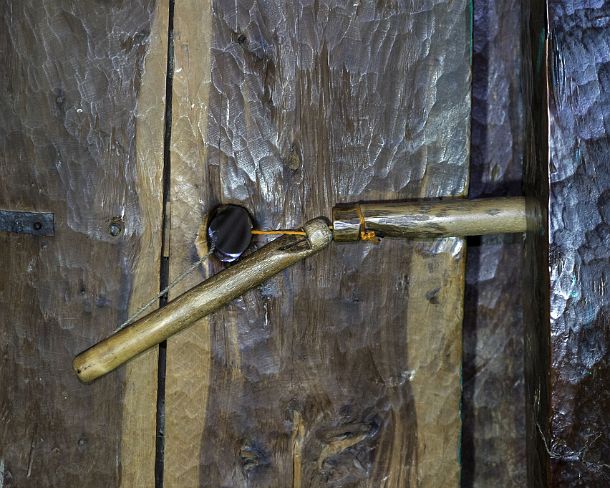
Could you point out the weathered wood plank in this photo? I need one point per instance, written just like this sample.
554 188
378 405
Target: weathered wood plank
579 254
344 370
70 82
493 436
434 351
188 353
138 433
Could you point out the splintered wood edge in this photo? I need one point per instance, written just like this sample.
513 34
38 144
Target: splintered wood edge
137 443
201 241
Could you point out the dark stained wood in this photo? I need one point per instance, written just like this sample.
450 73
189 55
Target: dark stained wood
493 435
535 268
567 321
345 370
70 80
579 251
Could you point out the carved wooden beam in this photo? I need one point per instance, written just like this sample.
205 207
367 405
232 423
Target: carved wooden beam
568 341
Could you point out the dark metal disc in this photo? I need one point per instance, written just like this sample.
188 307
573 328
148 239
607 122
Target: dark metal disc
229 232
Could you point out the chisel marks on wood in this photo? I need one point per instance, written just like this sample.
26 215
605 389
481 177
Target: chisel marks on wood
579 257
188 379
70 82
310 104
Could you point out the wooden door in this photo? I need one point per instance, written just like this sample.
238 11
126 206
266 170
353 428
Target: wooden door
81 134
344 370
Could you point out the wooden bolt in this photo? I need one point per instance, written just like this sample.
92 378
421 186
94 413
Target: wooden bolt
422 219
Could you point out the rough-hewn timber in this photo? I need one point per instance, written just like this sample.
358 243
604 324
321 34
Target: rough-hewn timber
579 247
345 370
192 195
70 82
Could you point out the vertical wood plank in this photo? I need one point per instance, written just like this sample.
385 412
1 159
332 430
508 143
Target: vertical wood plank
188 353
493 436
576 433
138 434
70 83
346 369
434 348
536 284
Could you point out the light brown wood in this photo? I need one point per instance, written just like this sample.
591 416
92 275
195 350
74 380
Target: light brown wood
200 301
436 290
138 435
188 361
440 218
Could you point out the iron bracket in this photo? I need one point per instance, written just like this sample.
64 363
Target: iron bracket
35 223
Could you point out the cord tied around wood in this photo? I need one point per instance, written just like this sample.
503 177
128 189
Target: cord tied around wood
230 233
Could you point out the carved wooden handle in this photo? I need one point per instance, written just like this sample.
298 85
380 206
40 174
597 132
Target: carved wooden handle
201 300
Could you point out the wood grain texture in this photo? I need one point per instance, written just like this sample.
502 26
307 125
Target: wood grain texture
435 296
70 83
191 196
493 435
579 254
536 310
138 433
431 218
344 370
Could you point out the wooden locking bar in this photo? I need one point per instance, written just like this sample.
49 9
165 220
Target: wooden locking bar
441 218
200 301
455 217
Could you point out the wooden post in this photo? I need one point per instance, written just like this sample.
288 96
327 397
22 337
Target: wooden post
568 346
428 219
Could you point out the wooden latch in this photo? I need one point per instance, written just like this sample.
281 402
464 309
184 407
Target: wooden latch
351 223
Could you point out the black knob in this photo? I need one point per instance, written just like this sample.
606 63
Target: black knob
229 232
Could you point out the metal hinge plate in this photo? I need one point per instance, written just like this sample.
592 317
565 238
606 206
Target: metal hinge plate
35 223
